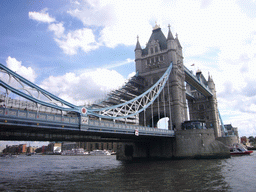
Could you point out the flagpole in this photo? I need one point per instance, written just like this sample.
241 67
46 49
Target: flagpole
194 72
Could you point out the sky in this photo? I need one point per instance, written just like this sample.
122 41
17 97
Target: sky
79 50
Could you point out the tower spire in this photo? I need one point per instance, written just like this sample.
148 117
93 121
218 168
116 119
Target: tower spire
170 36
138 47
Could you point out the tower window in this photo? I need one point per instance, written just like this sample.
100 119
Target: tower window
152 50
156 49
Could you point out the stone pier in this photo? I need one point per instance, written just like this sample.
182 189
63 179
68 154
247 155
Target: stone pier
196 143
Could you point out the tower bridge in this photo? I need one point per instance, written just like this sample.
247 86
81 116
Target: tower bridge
162 87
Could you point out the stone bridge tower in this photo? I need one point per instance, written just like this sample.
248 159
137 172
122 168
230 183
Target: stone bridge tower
151 63
205 108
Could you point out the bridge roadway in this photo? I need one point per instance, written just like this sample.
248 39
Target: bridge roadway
16 124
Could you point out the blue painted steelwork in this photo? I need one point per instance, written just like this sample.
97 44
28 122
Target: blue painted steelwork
19 78
134 106
140 103
44 121
222 125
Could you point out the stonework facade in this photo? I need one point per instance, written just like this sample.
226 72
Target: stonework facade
151 63
205 108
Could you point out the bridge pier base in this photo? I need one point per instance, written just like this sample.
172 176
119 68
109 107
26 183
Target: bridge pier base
229 141
195 143
147 149
199 143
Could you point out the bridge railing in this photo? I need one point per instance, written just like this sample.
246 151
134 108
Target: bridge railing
32 118
31 115
126 126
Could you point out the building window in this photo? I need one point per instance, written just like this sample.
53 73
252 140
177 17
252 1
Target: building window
161 58
156 49
152 50
152 60
156 59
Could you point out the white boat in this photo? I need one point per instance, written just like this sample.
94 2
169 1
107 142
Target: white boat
99 152
238 149
75 152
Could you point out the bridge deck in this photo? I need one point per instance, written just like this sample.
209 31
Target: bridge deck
17 120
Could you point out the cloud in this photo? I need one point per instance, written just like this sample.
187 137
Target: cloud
81 38
86 87
127 61
95 13
41 16
26 72
58 29
71 42
218 36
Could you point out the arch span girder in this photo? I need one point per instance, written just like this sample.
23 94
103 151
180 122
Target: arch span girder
133 106
17 84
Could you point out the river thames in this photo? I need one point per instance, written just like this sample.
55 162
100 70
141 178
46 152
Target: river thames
105 173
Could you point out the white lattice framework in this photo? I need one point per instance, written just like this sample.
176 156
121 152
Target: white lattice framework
12 82
136 105
15 83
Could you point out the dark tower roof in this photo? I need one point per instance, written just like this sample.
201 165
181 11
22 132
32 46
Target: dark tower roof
138 47
170 36
156 35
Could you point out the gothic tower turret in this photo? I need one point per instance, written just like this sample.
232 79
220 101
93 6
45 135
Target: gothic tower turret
205 108
214 106
138 55
151 63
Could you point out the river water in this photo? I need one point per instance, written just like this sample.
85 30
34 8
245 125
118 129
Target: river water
105 173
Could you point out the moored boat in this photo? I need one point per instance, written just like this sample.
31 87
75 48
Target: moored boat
75 152
238 149
100 152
